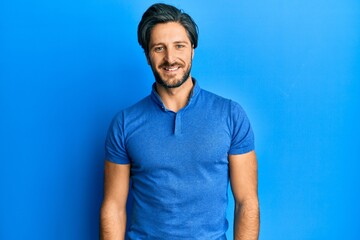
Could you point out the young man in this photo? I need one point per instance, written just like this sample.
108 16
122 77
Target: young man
180 146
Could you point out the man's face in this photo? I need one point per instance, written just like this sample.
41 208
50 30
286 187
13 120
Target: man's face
170 54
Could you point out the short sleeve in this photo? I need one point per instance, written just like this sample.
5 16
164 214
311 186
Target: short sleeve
242 140
115 150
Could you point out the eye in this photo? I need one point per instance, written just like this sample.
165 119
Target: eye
158 49
179 46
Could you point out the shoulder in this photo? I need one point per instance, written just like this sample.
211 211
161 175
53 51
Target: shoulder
216 101
139 106
134 110
213 96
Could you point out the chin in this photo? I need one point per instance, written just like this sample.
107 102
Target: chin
171 84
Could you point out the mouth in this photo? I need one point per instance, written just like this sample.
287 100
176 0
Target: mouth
171 68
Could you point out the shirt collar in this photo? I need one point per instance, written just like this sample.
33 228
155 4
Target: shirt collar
193 95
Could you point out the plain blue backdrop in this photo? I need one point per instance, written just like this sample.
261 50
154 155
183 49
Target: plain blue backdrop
66 67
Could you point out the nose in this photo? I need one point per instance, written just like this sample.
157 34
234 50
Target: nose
170 55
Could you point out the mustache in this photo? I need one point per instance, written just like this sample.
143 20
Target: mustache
168 65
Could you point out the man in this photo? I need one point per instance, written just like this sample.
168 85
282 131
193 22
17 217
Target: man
180 146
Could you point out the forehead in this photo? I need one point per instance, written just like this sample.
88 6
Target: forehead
167 33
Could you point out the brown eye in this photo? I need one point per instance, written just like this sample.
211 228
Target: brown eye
158 49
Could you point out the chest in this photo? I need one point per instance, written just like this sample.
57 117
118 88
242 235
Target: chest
175 141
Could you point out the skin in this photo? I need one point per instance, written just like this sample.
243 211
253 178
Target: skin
243 180
113 209
170 57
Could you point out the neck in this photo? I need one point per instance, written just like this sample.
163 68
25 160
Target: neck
175 98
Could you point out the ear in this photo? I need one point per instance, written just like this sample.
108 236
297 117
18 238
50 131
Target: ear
192 53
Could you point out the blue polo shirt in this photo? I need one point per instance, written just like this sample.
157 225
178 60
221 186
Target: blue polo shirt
179 163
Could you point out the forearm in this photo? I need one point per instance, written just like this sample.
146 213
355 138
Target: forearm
247 220
112 222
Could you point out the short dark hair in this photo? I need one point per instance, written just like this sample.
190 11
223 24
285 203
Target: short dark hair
163 13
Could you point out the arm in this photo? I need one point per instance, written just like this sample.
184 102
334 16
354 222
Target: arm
113 209
243 178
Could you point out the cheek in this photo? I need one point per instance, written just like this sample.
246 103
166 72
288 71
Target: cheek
159 59
189 59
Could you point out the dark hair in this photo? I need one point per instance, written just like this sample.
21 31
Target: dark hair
163 13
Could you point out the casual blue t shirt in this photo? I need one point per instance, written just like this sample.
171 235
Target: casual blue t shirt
179 163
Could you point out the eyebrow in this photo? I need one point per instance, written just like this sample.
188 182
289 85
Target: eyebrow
176 42
182 42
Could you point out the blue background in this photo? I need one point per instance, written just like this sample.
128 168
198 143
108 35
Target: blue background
66 67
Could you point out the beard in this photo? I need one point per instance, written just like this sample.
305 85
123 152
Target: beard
173 84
